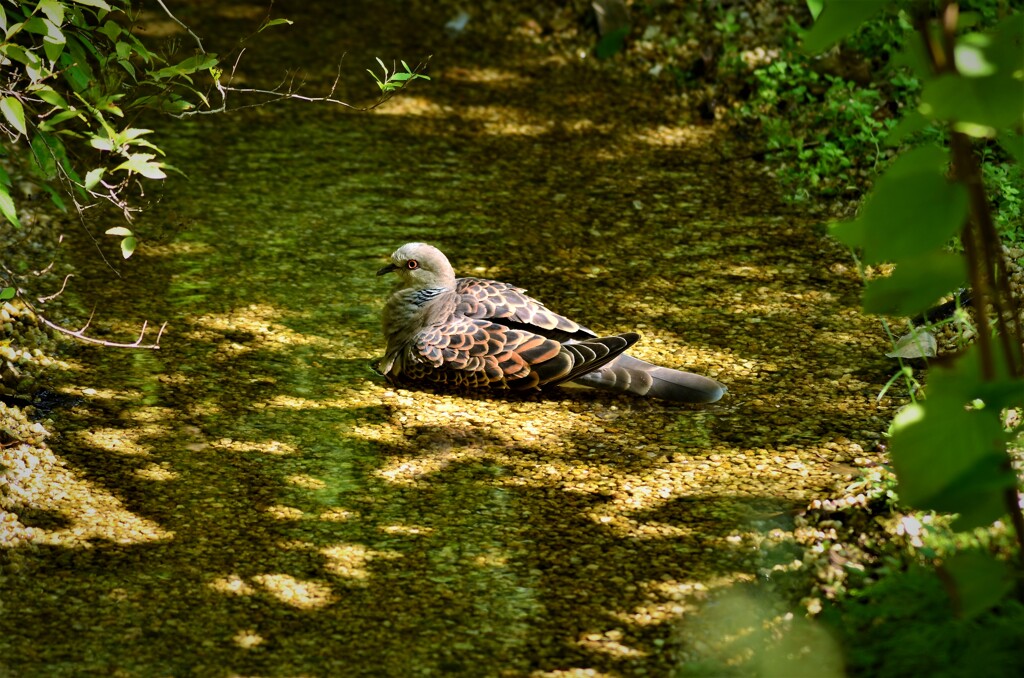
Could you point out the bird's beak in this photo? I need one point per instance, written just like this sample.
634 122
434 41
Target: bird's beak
387 269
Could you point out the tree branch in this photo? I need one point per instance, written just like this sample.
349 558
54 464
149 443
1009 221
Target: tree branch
81 336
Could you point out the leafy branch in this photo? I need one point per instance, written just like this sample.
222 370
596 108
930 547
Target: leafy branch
77 70
74 78
950 450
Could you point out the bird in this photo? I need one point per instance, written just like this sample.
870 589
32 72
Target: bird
474 333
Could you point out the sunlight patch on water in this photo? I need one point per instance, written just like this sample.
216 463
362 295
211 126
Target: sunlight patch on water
272 447
156 472
410 104
282 512
494 77
666 135
38 480
232 584
409 471
248 639
609 643
306 481
305 594
116 440
406 529
261 325
338 515
352 560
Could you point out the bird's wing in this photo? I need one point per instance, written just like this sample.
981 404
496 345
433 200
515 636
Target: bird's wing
510 306
468 352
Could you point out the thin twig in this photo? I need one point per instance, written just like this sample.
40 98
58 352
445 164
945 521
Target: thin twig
180 23
289 90
43 300
81 336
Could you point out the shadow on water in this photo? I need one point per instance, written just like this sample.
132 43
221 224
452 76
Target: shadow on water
275 509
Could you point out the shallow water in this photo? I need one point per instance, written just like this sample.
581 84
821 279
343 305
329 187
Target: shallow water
253 499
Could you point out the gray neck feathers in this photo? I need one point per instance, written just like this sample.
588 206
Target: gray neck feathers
410 311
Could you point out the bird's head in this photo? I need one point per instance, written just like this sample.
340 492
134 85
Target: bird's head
420 266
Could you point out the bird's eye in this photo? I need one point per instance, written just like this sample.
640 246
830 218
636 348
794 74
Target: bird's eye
411 264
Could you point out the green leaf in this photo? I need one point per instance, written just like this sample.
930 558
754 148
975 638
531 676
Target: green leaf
924 159
7 206
53 48
1006 46
127 65
838 19
50 96
48 124
53 37
99 4
995 101
112 30
815 7
19 54
75 62
850 232
7 293
77 77
55 197
45 148
13 30
14 112
912 209
36 25
274 22
963 382
140 163
135 132
119 230
911 123
93 176
53 10
980 581
969 55
1013 143
951 459
915 284
199 62
127 247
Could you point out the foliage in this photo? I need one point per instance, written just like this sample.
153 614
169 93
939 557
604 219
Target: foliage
903 626
75 78
827 126
820 116
1006 179
76 75
950 451
830 118
394 80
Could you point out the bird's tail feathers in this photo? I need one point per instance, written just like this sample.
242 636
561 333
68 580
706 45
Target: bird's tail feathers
626 374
